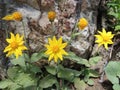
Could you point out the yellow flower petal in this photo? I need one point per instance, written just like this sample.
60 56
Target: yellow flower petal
55 58
51 57
15 45
60 40
104 38
8 48
99 44
51 16
82 23
14 16
17 16
12 37
8 17
9 40
55 49
106 46
63 45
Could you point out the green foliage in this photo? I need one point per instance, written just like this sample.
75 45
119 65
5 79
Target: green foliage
94 60
112 71
51 69
37 56
88 73
47 81
71 75
20 61
113 10
6 83
116 86
79 84
77 59
66 74
23 74
17 80
117 27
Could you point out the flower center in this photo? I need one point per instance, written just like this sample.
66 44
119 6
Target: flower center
14 45
55 49
105 38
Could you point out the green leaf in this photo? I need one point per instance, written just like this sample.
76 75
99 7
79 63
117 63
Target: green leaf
66 74
31 88
9 84
27 57
34 57
88 73
20 61
15 86
13 72
76 73
47 81
35 69
116 87
37 56
25 80
117 27
112 4
112 71
51 69
93 73
90 82
77 59
5 83
39 88
116 15
94 60
79 84
118 74
18 79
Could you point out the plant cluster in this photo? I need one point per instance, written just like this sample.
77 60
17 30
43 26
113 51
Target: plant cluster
112 69
113 10
27 73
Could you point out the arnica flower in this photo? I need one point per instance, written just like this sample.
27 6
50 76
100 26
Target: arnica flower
104 38
16 45
55 49
14 16
17 16
51 16
82 23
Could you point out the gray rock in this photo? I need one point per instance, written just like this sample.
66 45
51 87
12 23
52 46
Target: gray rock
64 23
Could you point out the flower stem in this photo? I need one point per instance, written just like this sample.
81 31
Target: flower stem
72 34
25 39
26 45
53 27
24 32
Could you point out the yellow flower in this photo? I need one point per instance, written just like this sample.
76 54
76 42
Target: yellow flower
14 16
17 16
82 23
8 17
104 38
15 45
55 49
51 15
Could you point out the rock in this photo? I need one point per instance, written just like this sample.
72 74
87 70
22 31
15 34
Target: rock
32 3
44 5
63 24
27 12
117 57
82 45
81 48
